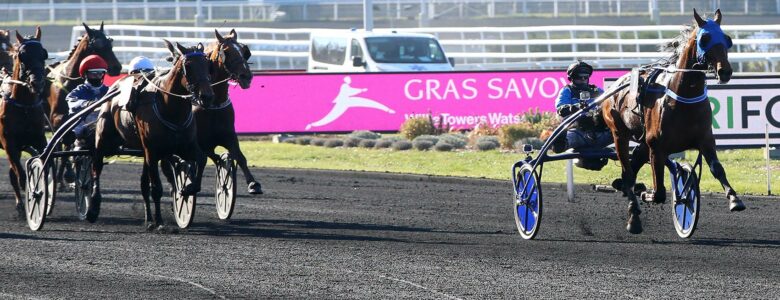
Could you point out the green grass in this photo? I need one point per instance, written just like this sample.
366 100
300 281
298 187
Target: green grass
745 168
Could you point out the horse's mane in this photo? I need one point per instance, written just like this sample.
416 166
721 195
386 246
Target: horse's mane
76 46
677 45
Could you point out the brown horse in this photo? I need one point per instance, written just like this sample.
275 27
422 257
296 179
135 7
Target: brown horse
21 115
216 123
676 118
6 52
65 77
162 125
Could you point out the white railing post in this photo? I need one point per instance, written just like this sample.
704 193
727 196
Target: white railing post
114 10
83 11
241 12
555 8
587 8
146 10
618 8
178 11
21 15
682 7
335 11
52 15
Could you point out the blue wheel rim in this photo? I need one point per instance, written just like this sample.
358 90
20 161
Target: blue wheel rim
528 210
685 210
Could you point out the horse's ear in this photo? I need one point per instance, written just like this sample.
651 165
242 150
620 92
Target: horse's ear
180 49
220 39
101 26
234 34
38 33
19 37
200 47
699 21
86 27
718 16
170 47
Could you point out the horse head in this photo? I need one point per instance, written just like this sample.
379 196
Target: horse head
31 61
195 66
233 56
98 43
712 46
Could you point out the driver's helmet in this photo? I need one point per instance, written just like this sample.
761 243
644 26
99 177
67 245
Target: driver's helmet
580 67
92 63
141 64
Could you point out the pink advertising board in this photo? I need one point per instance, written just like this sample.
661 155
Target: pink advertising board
304 102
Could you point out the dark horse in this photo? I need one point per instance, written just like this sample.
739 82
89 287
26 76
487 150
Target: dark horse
21 115
216 122
162 125
65 77
674 118
6 52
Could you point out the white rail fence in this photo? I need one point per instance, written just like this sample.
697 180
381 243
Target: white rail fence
756 47
114 11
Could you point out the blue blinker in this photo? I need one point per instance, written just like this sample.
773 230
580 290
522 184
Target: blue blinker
717 37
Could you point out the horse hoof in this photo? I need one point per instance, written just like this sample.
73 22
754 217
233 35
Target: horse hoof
151 227
20 210
189 190
653 197
254 188
639 188
735 204
634 225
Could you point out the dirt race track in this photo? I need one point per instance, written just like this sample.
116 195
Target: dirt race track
326 235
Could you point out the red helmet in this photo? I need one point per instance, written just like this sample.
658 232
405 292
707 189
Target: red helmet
92 63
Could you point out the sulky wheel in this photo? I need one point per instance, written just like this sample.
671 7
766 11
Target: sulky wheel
225 189
83 188
183 206
37 193
527 201
686 204
51 186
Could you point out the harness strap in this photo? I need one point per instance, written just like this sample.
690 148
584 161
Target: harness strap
222 105
169 124
693 100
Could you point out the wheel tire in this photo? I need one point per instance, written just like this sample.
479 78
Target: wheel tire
51 187
225 186
527 204
686 204
83 189
183 207
36 199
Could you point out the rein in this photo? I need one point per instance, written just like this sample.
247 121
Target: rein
673 95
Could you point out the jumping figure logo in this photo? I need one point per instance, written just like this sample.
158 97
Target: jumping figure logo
345 100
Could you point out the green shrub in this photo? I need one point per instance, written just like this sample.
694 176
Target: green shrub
333 143
384 143
511 133
422 144
351 142
458 141
290 141
486 146
303 140
489 139
443 146
367 143
417 126
318 142
431 138
365 135
402 145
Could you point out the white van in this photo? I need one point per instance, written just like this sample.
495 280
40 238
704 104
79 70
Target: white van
361 51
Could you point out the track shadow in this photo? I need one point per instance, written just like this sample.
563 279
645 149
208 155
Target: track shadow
297 229
15 236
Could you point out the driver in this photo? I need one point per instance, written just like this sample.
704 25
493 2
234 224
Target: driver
93 69
589 132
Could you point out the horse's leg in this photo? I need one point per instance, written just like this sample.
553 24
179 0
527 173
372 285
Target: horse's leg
195 154
620 135
153 172
658 161
253 186
639 158
16 174
145 189
708 151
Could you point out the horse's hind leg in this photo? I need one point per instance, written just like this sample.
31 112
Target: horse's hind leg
145 189
153 173
17 175
634 224
658 162
735 204
253 186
